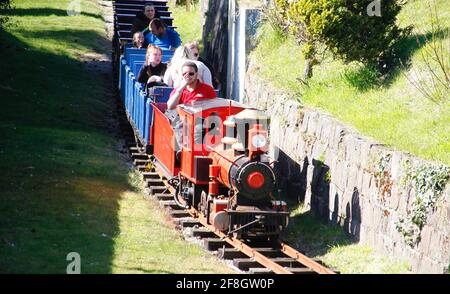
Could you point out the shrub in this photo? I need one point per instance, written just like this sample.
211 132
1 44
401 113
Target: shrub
345 28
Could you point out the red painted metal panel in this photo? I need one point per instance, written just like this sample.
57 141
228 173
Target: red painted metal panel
187 161
164 138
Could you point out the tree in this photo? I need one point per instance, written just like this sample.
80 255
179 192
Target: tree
348 28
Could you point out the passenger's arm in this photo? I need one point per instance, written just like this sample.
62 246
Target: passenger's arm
174 99
153 79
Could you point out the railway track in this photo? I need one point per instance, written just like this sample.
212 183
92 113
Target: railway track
258 257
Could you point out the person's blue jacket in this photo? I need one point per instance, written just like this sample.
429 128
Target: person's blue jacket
171 39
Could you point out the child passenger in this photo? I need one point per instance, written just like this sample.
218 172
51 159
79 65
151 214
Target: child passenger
139 40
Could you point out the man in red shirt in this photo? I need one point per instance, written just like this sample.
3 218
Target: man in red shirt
191 88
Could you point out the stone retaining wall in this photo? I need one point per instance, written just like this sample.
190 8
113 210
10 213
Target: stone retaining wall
348 179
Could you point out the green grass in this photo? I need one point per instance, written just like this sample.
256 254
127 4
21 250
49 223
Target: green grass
188 23
65 186
392 112
144 229
358 259
335 248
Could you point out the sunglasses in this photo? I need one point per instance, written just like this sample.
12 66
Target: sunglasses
195 54
189 73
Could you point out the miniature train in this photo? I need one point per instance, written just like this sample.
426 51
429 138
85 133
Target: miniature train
219 164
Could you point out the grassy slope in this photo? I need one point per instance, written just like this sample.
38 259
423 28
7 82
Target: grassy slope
65 186
395 113
187 23
388 113
331 245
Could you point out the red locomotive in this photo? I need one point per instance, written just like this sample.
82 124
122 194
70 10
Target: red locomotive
222 168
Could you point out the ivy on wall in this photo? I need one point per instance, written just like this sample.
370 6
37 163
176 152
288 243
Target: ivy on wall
383 179
428 182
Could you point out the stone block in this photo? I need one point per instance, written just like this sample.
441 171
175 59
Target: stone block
377 218
349 145
320 125
367 214
329 155
359 179
300 148
356 157
308 196
363 234
344 169
425 239
429 266
306 117
366 181
310 174
435 242
365 154
290 145
375 150
403 204
341 149
393 200
388 245
318 150
352 178
331 143
398 251
313 123
292 110
333 199
396 170
326 129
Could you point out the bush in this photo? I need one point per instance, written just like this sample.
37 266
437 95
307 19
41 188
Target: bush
345 28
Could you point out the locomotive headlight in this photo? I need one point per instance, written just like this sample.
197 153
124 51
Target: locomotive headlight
259 141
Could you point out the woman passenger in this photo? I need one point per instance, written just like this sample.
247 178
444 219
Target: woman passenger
152 71
173 76
196 56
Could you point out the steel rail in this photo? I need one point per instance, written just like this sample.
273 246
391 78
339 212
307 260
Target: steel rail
303 259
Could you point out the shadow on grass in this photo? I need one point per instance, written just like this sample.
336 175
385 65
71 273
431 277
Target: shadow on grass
61 177
44 89
367 77
45 12
314 236
77 38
